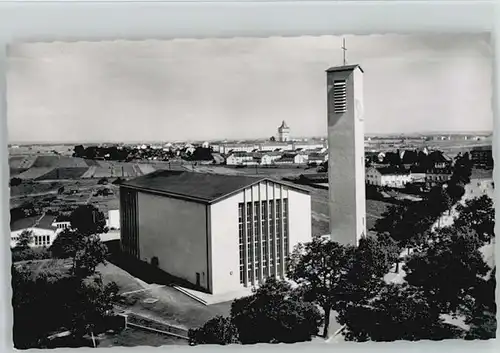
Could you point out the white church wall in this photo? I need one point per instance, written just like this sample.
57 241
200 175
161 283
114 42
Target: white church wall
225 245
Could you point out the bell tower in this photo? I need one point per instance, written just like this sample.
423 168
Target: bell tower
346 154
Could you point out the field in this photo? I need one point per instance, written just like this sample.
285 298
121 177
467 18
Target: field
44 174
56 167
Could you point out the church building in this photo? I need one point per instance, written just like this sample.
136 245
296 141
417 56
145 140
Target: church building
221 233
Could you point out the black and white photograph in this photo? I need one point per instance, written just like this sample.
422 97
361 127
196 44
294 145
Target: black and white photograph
235 191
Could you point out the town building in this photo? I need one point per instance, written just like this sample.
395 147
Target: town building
387 176
45 229
283 132
417 174
113 220
346 174
309 146
221 233
292 158
239 158
61 222
317 157
269 158
238 147
437 176
276 146
482 156
42 228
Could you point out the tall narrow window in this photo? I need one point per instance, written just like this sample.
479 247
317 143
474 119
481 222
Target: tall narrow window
250 249
279 232
339 97
285 228
265 244
241 241
272 235
256 228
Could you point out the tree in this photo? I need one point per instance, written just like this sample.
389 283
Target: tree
462 170
397 312
407 224
79 151
391 248
66 244
438 200
219 330
87 220
91 252
318 267
16 181
477 214
82 242
274 313
50 300
93 303
447 268
24 240
481 314
202 154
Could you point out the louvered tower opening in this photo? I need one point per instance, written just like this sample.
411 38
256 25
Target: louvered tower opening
339 97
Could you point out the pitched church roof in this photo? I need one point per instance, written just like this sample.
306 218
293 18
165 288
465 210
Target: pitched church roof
193 186
344 68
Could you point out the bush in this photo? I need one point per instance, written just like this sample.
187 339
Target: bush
30 254
219 330
103 181
16 181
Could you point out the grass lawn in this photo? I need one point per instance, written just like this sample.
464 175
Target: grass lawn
133 337
124 280
374 210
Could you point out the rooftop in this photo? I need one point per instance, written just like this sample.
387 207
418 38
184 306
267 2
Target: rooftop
283 125
344 68
482 148
31 222
391 171
201 187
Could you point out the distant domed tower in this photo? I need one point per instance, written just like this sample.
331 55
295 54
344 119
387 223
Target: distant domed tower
283 132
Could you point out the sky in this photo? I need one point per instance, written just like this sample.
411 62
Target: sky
242 88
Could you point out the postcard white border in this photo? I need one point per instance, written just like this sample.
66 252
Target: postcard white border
95 20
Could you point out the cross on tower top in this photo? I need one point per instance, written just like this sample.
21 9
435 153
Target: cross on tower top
344 49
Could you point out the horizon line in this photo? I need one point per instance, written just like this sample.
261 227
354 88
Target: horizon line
440 132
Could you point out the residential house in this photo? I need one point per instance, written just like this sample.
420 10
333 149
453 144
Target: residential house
292 158
239 158
316 158
268 158
387 176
